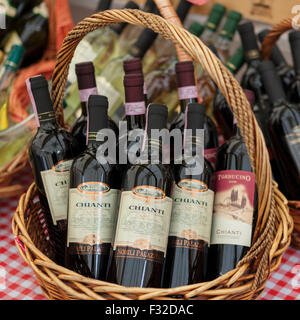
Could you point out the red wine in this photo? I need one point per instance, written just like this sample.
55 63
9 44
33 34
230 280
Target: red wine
293 92
93 200
190 225
85 73
235 207
50 153
140 242
284 130
251 79
285 72
221 109
187 93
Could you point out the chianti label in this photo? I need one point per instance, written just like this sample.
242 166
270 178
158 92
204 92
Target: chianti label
211 156
188 92
56 183
293 141
233 208
191 214
143 224
135 108
92 211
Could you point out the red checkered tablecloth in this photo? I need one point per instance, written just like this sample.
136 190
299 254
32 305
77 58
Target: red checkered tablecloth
17 281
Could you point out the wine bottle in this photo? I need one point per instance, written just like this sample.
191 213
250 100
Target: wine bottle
7 74
134 66
14 10
187 93
31 31
284 130
51 153
110 79
212 23
93 200
225 37
196 28
101 46
104 5
190 226
235 207
140 242
87 85
293 92
221 110
285 71
251 78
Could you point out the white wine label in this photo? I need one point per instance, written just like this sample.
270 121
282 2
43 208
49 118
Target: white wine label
108 90
12 40
191 213
92 211
143 224
233 208
56 183
9 10
42 10
84 52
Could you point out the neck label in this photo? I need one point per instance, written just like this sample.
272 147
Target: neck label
189 92
135 108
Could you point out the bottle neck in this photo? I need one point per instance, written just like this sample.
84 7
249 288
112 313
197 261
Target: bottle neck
84 96
47 121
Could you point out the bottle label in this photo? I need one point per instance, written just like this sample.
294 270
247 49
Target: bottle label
293 140
85 93
188 92
233 208
143 224
91 217
191 214
135 108
42 10
145 88
13 39
8 8
252 54
211 155
108 90
56 183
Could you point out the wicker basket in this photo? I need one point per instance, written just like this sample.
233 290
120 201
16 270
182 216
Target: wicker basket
274 226
58 28
267 45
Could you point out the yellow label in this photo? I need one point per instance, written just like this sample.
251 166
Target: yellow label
92 212
12 40
191 217
56 183
144 219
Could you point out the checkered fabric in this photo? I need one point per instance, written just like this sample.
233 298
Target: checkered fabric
17 281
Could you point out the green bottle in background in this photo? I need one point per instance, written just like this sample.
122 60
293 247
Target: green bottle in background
226 35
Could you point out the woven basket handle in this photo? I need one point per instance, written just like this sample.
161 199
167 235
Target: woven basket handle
273 35
193 46
168 12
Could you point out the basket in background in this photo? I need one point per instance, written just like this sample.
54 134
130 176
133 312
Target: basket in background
60 22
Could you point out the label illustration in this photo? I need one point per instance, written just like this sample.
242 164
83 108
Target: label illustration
56 183
191 214
92 211
233 208
143 224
